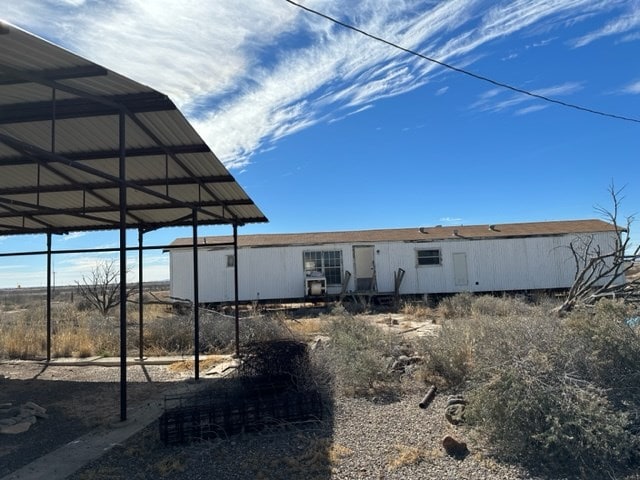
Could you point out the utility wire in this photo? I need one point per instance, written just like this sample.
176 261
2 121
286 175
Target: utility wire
463 71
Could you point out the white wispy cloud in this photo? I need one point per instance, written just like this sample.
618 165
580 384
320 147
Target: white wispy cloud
494 100
628 22
247 75
633 88
531 109
73 236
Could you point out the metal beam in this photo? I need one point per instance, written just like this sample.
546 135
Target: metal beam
66 73
49 270
236 300
123 270
85 107
106 154
76 187
140 294
196 300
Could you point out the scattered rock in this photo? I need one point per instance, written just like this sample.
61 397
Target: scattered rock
455 409
19 419
455 448
17 428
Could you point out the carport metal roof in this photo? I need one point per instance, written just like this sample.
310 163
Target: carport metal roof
83 148
65 124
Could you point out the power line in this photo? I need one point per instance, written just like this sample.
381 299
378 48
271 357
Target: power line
463 71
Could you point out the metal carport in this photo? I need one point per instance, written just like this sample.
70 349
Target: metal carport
83 148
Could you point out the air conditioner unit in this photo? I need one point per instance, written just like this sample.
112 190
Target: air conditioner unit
315 286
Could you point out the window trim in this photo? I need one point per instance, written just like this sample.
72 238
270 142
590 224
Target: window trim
322 253
421 265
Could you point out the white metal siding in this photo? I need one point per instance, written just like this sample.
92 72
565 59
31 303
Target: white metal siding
528 263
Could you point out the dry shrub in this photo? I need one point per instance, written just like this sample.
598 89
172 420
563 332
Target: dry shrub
456 306
448 357
175 334
357 354
557 395
498 306
609 351
416 309
167 335
535 414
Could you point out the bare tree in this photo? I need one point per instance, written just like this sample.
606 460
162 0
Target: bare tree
101 288
601 270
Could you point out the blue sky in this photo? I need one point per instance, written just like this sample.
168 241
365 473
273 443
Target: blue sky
327 129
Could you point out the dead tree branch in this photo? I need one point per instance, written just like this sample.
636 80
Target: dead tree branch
101 289
600 270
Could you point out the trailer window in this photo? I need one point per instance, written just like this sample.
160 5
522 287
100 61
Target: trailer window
429 257
327 263
231 261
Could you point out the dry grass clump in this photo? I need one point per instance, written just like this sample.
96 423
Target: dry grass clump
74 333
81 332
204 364
307 327
406 456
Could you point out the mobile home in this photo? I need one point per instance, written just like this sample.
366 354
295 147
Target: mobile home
405 261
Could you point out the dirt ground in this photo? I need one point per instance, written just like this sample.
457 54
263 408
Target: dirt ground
77 400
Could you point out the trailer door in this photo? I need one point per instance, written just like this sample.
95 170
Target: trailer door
460 275
363 261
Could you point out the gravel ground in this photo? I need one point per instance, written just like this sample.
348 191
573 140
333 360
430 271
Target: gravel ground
361 439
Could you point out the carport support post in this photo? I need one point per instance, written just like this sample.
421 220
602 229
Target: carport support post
196 300
140 291
123 271
48 296
235 287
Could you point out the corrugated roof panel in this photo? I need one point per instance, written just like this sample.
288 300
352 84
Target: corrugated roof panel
169 127
109 84
21 174
29 92
203 164
162 148
29 52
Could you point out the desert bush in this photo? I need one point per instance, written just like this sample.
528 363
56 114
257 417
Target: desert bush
175 334
487 331
536 414
357 354
167 335
499 306
456 306
559 395
609 351
448 357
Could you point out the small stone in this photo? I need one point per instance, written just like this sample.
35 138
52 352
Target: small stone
454 448
35 407
17 428
455 413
